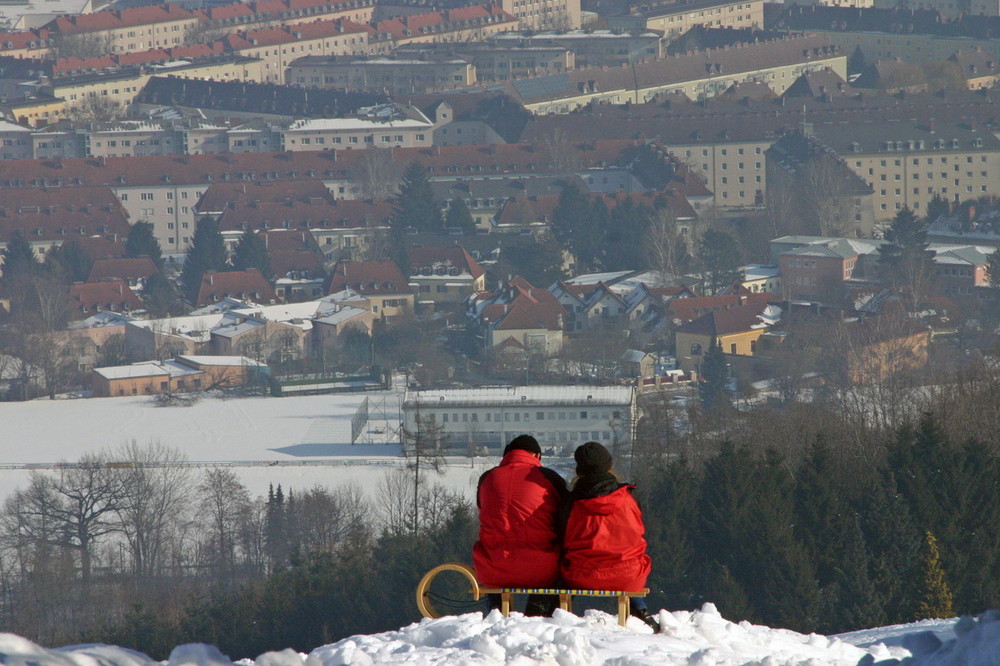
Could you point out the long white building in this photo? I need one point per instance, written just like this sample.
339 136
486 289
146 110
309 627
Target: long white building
555 415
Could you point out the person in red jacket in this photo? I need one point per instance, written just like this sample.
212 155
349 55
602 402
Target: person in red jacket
518 543
604 544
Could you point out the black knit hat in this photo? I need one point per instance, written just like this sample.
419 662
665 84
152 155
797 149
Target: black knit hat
524 443
592 458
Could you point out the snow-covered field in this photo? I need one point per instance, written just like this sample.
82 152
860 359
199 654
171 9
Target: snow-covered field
690 638
298 442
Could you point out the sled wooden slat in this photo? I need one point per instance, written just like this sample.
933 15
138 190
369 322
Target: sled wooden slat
507 593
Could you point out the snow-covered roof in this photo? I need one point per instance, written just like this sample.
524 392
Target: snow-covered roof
523 395
134 371
221 360
197 327
102 319
349 124
345 313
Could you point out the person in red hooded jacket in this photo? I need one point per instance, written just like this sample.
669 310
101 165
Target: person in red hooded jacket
518 543
604 544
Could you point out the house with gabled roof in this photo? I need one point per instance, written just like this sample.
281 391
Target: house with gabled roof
91 297
520 317
249 284
133 270
381 282
445 275
737 330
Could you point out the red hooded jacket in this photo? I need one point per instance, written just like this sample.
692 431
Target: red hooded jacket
518 542
604 547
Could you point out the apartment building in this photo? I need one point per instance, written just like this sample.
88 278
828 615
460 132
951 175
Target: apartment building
907 163
47 218
698 75
591 48
134 29
396 129
674 19
545 14
392 75
277 47
270 13
472 23
498 59
912 34
123 86
15 141
948 9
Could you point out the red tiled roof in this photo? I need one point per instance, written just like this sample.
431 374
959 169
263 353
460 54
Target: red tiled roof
690 309
109 20
339 214
290 166
738 319
123 268
114 296
100 247
60 214
456 256
248 284
369 278
219 195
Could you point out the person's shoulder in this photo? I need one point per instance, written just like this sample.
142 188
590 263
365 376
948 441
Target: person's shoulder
554 477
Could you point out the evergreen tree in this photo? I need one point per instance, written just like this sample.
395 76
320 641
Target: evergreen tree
576 228
250 252
674 493
625 236
906 263
414 206
207 253
142 242
935 597
69 263
19 258
824 517
937 207
538 262
713 389
459 217
859 600
160 296
895 544
720 258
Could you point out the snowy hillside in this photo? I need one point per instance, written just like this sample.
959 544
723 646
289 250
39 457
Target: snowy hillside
698 638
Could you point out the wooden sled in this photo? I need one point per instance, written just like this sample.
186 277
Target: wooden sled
507 593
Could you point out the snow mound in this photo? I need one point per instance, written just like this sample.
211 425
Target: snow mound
688 638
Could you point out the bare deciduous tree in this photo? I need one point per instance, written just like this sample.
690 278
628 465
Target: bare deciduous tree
222 502
156 485
379 173
665 248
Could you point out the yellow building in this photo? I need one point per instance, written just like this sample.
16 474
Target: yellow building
737 330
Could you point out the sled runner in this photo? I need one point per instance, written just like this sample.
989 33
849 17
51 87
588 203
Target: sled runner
425 597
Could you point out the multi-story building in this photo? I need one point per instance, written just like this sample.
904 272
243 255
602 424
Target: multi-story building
909 163
698 75
674 19
397 128
15 141
914 35
558 416
590 48
135 29
276 48
498 59
395 76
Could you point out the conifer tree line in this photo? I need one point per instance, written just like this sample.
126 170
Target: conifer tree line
781 516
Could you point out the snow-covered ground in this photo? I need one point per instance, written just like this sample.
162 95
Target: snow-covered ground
690 638
298 442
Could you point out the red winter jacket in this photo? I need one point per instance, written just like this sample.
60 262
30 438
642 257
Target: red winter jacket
604 547
518 543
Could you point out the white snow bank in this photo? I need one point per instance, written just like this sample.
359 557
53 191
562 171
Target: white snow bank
688 638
